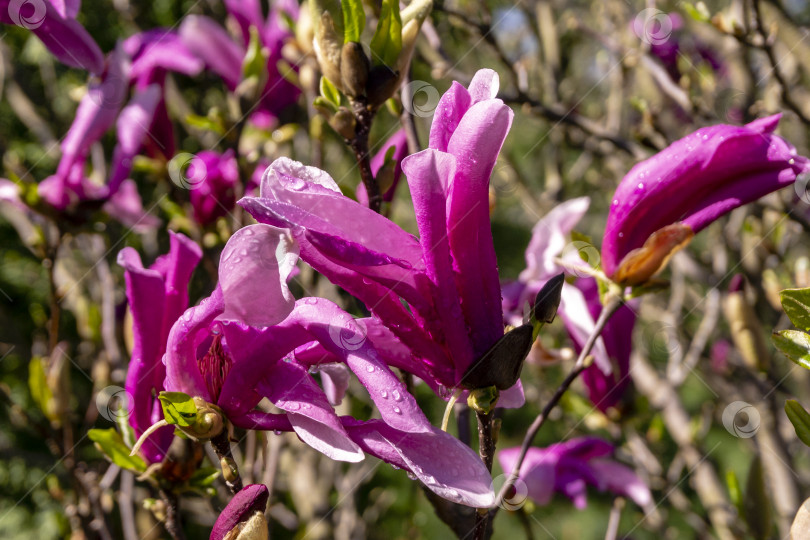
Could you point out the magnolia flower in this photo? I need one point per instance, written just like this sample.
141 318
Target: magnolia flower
605 390
212 44
238 346
157 297
665 200
54 23
243 517
569 466
213 177
436 301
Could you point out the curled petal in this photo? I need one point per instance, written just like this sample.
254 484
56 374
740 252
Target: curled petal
253 271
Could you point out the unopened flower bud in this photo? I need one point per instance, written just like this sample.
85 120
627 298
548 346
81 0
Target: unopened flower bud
354 67
500 366
382 83
328 46
343 122
243 517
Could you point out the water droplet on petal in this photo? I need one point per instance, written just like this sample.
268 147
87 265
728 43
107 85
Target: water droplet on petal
397 410
396 395
384 394
277 431
293 406
370 369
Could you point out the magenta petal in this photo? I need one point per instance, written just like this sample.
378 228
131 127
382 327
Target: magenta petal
292 389
428 173
261 421
208 40
67 40
480 133
132 128
253 272
250 499
444 464
536 473
449 112
484 85
146 296
186 336
97 111
335 381
697 179
345 338
617 478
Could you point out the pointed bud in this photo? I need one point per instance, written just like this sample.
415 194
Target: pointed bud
501 364
243 517
354 67
328 46
548 300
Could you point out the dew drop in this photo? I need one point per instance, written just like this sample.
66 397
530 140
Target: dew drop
293 406
277 431
384 394
296 184
397 410
370 369
311 301
396 395
640 185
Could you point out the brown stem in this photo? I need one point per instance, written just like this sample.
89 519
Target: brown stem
359 145
607 312
222 447
486 448
172 523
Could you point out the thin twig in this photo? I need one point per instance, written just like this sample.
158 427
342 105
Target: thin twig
607 311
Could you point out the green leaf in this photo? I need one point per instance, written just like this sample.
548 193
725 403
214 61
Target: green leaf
793 344
204 477
757 504
255 62
354 20
387 41
110 443
800 419
178 408
796 303
330 92
38 385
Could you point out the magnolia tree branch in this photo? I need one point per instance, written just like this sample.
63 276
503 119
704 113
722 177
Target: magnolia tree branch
359 145
172 522
581 364
486 448
230 472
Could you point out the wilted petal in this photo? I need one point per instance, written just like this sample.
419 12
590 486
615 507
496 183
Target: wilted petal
253 272
444 464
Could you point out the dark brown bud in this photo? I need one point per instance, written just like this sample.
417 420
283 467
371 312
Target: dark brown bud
354 68
548 299
382 83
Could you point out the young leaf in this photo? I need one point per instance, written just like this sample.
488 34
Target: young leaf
330 92
793 344
38 386
204 477
800 419
354 20
110 443
796 303
178 408
387 41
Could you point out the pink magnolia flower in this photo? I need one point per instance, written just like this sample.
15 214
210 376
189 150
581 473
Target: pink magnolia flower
436 301
239 346
676 193
244 511
157 297
213 177
568 467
